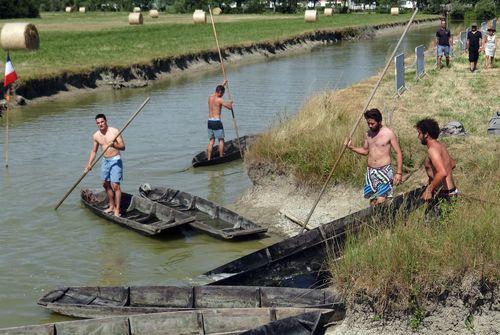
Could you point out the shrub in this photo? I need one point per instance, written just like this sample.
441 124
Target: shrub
457 11
255 6
10 9
485 9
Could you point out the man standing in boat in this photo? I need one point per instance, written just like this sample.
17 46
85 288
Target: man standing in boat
112 165
215 127
438 164
379 140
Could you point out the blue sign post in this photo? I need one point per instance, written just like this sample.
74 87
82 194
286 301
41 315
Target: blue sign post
494 24
399 62
419 52
484 26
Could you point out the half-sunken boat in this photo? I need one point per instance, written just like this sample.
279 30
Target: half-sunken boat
302 260
203 322
211 218
311 323
93 302
231 152
137 213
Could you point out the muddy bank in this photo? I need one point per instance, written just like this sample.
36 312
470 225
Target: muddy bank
140 75
473 308
278 203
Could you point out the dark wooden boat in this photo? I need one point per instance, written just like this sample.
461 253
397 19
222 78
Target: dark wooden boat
211 218
231 152
311 323
301 261
137 213
203 322
93 302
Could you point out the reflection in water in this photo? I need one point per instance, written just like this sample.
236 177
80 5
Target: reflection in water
216 189
49 146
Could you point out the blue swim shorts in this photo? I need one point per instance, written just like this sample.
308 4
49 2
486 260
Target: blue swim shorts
378 182
215 129
112 169
443 50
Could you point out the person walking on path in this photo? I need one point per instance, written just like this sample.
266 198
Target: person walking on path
443 44
474 45
112 165
215 127
490 46
379 140
438 165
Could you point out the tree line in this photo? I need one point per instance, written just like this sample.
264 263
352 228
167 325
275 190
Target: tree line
476 9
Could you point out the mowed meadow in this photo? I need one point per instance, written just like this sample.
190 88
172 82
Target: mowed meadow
79 43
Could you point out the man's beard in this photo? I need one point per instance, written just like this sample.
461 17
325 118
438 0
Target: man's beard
423 141
376 129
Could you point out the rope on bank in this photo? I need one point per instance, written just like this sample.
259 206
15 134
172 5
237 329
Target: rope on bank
344 147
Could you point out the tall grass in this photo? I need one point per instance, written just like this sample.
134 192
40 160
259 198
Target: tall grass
404 264
65 47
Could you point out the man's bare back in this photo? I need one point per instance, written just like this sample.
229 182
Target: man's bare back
214 107
439 154
438 164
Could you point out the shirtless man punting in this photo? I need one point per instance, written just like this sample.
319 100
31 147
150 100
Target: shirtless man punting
379 140
215 127
112 165
439 164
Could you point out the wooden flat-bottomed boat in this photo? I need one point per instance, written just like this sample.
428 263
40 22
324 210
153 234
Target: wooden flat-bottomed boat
202 322
231 152
137 213
93 302
302 260
211 218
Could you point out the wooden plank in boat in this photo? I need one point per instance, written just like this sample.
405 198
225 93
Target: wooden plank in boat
226 297
47 329
161 324
274 297
104 326
161 296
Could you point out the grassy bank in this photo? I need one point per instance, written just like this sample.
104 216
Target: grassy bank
405 264
74 43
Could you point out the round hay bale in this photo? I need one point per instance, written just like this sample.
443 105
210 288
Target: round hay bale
328 11
311 15
82 9
199 16
69 9
19 36
135 18
153 13
394 11
216 11
136 10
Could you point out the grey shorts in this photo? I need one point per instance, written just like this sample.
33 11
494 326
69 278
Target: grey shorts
215 129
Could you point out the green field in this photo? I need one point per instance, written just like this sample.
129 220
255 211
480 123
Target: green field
74 42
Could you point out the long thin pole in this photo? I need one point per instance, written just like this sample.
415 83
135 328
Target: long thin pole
344 147
6 145
102 154
225 79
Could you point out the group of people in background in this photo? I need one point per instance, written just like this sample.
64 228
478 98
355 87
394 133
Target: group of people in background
475 44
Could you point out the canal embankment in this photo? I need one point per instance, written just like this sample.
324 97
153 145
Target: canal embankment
414 273
138 56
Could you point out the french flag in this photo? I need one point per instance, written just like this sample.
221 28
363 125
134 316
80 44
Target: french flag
10 73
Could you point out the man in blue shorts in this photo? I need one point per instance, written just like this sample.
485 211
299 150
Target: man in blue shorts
112 165
443 44
215 127
379 140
